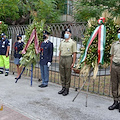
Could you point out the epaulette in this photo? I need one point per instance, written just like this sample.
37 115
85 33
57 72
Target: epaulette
114 42
73 40
62 40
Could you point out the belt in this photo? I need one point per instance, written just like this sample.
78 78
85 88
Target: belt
66 56
116 64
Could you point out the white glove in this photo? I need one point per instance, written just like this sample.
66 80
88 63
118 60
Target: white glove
20 59
48 64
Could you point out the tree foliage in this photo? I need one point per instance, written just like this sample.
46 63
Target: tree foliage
44 9
20 11
3 28
85 9
8 8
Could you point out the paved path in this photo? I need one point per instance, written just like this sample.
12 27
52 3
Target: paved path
25 102
11 114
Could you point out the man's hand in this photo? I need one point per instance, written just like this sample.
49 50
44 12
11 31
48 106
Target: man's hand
6 54
72 66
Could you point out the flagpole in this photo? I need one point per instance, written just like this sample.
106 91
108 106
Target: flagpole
31 73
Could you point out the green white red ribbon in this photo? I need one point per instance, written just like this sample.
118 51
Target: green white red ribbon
101 32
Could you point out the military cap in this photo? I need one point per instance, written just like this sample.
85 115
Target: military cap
3 34
68 30
45 32
19 35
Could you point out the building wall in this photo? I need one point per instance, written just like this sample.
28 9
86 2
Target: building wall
68 11
68 18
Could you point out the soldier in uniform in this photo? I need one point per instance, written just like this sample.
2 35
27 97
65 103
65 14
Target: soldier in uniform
4 54
115 73
18 47
46 54
67 49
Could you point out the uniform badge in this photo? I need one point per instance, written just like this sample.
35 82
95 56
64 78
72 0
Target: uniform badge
3 44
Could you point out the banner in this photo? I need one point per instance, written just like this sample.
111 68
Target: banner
101 32
34 37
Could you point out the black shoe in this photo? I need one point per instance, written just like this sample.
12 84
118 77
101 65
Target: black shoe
119 107
6 74
40 85
66 92
1 72
18 77
44 86
115 105
61 91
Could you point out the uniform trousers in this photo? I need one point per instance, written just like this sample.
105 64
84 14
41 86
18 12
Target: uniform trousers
44 74
4 63
115 81
65 70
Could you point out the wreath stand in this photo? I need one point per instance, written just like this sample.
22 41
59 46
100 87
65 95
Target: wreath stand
83 86
22 73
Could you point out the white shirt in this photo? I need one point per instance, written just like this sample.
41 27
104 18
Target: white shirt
46 40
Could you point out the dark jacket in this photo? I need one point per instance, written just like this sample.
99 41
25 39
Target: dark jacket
46 52
3 46
18 47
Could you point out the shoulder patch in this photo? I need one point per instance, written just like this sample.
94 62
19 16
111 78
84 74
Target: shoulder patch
73 40
62 40
114 42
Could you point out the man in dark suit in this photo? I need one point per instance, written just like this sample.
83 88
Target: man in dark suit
46 54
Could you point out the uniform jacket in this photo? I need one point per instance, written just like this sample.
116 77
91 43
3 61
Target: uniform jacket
3 46
46 52
17 49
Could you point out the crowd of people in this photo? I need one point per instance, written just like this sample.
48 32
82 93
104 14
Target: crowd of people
67 58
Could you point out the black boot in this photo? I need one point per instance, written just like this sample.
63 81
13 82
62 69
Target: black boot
66 92
6 74
115 105
119 106
61 91
1 72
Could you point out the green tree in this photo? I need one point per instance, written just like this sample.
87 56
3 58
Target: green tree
44 9
20 11
9 9
61 6
85 9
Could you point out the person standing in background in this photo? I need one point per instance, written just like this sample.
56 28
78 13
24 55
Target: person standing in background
18 47
4 54
67 49
115 73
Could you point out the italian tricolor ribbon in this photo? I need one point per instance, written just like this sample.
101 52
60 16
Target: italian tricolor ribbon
101 32
34 37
